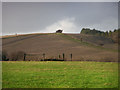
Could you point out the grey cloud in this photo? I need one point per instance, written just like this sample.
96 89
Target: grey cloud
21 17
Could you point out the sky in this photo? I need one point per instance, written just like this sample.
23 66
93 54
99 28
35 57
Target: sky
47 17
60 0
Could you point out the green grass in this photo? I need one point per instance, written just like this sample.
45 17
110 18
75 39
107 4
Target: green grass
33 74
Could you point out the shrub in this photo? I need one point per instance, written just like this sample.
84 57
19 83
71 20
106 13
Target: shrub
17 56
5 56
20 55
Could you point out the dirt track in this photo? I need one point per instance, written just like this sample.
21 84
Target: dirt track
55 44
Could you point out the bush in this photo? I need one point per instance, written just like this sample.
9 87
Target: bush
5 56
17 56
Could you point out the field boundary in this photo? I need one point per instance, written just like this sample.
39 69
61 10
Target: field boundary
42 57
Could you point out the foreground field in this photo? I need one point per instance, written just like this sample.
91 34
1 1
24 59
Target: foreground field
19 74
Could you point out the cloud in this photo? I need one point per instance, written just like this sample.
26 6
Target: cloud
105 25
67 25
70 25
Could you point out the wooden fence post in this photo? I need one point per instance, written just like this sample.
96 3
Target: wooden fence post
44 56
59 56
71 56
24 56
63 56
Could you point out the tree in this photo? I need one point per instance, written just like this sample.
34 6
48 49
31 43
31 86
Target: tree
110 33
4 56
15 56
106 33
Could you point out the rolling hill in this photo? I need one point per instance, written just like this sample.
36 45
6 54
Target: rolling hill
53 45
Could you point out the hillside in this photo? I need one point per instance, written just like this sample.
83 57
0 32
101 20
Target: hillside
113 35
54 45
96 40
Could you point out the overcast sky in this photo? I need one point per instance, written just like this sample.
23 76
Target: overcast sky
47 17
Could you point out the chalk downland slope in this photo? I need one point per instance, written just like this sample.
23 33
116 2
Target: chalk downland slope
96 40
54 45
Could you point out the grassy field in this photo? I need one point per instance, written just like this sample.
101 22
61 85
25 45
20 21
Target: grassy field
33 74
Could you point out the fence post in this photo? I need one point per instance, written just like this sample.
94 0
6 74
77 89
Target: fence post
71 56
24 56
44 56
81 39
59 56
63 56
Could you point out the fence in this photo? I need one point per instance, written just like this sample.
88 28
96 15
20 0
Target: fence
42 57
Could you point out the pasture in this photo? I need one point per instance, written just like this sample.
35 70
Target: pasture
51 74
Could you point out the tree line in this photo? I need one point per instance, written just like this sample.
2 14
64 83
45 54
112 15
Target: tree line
114 35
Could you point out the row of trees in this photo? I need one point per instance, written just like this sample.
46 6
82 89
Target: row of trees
92 32
109 34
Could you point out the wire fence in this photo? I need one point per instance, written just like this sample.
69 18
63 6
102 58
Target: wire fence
43 57
61 57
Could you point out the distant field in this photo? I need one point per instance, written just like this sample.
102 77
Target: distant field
33 74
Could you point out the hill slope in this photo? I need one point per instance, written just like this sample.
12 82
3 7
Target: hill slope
54 45
96 40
